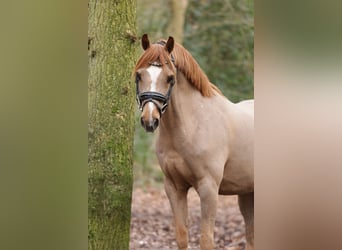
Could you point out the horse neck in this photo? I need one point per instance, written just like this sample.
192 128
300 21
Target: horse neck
184 101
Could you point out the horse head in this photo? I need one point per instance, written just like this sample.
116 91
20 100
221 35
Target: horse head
155 78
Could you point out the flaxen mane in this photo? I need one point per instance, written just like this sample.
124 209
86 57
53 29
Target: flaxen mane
183 61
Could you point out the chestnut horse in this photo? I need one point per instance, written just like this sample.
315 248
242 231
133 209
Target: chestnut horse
205 141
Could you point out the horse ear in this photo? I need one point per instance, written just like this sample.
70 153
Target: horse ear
169 44
145 42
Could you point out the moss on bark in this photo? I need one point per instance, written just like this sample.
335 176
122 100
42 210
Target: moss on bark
111 106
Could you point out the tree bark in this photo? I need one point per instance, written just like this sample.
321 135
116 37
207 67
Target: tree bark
111 50
176 26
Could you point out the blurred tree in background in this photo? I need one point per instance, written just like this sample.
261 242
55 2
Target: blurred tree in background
153 18
176 24
220 36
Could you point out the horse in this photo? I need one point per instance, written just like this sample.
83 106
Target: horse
205 141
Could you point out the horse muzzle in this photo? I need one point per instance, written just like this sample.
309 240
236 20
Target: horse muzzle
150 125
150 117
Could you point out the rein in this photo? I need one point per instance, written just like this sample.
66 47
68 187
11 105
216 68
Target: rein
154 97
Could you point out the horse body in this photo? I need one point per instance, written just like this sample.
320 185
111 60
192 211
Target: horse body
205 141
219 144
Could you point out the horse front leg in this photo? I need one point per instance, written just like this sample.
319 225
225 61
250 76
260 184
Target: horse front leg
178 201
208 192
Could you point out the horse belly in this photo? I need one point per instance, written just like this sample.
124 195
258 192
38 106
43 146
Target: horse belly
237 179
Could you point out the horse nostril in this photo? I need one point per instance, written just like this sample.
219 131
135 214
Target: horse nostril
149 125
155 123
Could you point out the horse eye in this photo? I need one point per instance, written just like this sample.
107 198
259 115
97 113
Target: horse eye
171 79
137 77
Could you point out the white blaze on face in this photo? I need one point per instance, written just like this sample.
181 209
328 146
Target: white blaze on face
154 72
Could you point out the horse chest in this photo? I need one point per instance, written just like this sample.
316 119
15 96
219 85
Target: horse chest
177 167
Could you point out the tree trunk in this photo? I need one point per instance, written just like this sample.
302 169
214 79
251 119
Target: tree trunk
176 26
111 107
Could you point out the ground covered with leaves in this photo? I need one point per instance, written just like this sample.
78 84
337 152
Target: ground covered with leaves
152 222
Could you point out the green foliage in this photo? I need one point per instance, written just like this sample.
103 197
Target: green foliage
146 168
152 18
220 36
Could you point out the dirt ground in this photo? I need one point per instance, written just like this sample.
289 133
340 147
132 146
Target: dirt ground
152 222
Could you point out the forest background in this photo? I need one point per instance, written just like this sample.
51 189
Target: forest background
220 36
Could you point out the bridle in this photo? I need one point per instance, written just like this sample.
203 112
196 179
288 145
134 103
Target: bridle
154 97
